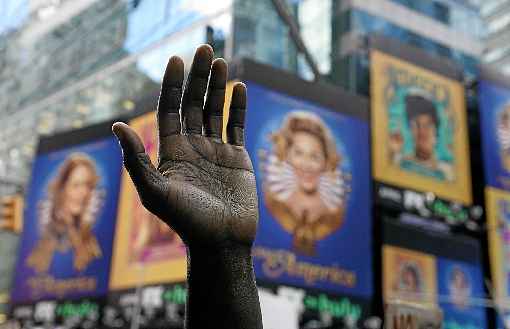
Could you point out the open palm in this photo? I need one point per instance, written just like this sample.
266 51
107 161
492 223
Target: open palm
202 187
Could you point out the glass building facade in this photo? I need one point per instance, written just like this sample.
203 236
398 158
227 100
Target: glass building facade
496 14
451 16
363 25
335 33
91 66
65 64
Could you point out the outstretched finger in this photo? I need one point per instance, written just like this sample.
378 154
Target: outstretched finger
148 181
169 122
235 126
196 86
213 110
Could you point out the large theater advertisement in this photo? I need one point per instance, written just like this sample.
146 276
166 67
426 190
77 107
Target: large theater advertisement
419 129
409 275
146 250
66 243
498 222
313 181
461 285
494 110
494 102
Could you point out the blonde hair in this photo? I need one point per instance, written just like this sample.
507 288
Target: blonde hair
56 188
310 123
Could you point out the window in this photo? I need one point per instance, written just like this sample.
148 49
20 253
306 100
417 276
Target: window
499 23
489 7
496 54
366 24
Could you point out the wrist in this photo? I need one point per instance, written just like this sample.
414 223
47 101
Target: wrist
223 264
222 287
219 253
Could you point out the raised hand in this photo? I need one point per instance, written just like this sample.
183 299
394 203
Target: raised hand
203 188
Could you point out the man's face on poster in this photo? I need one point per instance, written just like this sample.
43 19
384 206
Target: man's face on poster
424 131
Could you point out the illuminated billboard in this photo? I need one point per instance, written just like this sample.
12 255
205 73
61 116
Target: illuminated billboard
498 222
146 250
494 111
434 269
494 101
419 129
69 220
409 275
313 179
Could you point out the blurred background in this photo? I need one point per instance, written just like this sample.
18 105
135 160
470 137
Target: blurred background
400 110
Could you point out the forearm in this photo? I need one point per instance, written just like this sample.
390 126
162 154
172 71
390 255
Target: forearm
221 289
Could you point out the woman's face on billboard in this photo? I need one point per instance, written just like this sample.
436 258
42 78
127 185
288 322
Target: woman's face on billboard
459 280
409 281
306 156
77 189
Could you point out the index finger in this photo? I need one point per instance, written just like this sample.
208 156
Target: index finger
169 122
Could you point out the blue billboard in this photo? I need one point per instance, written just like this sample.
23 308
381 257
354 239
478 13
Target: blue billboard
494 103
460 285
313 178
69 222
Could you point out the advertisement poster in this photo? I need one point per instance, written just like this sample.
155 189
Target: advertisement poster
409 276
62 314
146 250
311 309
408 315
313 180
458 284
66 243
162 306
494 103
498 221
150 307
419 138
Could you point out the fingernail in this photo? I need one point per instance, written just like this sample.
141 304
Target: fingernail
117 131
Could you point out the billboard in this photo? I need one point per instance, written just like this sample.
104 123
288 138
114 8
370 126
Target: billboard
313 183
412 316
76 313
433 268
146 250
498 222
494 101
409 275
419 126
162 306
69 219
426 279
458 284
311 309
494 111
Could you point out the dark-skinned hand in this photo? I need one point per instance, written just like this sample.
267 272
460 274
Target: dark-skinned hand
204 189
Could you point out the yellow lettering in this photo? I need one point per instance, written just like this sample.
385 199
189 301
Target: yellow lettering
276 263
43 285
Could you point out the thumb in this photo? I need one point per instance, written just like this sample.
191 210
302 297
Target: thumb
148 181
128 139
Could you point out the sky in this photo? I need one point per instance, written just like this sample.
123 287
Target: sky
12 14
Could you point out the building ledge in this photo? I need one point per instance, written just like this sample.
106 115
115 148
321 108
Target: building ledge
418 23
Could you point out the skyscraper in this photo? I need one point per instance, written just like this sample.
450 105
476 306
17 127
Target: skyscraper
496 14
447 28
335 32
